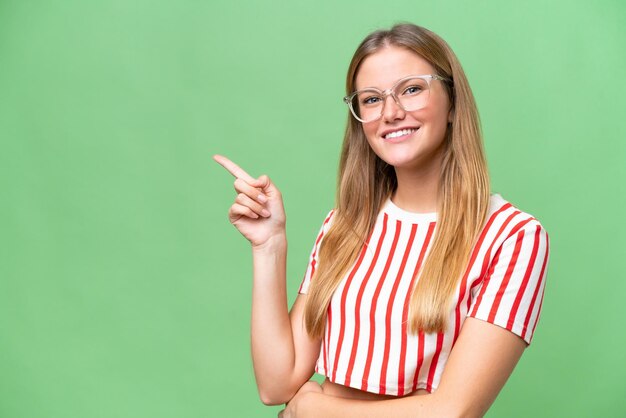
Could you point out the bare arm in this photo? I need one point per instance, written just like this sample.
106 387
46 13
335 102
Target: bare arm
479 365
282 353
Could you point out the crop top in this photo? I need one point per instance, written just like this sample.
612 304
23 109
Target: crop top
366 343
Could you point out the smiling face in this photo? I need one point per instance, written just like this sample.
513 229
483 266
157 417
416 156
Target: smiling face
407 140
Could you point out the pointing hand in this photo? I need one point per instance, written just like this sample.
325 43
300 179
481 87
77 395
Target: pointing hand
258 211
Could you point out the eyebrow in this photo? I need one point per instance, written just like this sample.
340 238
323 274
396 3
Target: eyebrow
394 83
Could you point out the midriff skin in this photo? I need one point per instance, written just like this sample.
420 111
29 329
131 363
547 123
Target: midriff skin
342 391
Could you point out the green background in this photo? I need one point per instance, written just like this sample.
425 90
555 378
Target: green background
125 292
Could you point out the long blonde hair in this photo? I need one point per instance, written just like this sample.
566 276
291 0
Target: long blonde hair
365 182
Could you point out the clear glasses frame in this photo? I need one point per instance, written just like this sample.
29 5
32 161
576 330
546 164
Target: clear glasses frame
349 100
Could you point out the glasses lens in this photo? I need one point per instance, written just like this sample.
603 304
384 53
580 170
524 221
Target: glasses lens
412 93
367 105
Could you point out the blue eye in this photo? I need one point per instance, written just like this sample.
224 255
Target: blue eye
371 100
412 90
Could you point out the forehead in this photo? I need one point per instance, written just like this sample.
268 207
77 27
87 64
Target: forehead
389 64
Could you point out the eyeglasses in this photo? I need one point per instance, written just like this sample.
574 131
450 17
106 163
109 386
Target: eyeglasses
410 93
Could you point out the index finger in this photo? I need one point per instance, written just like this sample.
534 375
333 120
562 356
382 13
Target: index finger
233 168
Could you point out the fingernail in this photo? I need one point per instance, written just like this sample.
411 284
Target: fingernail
265 213
262 198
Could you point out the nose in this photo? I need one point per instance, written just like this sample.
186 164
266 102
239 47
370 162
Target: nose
392 110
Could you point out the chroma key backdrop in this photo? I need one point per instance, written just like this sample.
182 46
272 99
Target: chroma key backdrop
124 290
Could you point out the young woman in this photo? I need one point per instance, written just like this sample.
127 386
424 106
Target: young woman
420 281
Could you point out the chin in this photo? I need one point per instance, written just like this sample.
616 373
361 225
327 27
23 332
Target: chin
399 156
412 161
400 162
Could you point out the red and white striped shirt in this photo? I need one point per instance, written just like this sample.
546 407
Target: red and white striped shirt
367 345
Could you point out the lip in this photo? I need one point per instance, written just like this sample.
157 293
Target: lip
399 138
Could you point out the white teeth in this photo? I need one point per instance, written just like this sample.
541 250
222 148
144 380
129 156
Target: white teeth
399 133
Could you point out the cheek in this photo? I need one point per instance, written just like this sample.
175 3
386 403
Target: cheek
437 118
439 122
370 130
442 110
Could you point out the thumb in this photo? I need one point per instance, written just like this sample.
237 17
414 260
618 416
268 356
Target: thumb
263 182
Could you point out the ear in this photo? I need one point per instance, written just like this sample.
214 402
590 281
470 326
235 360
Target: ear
450 115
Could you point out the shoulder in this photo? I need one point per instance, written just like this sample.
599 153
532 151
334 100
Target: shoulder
511 234
508 219
515 252
326 224
328 221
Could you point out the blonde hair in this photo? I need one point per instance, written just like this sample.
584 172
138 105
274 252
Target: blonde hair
365 182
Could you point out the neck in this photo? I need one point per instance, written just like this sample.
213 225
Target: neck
418 189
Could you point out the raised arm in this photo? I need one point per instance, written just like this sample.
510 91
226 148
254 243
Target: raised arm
282 354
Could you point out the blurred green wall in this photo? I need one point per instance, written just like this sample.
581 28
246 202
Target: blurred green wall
125 292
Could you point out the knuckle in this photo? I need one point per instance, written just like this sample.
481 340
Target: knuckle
239 184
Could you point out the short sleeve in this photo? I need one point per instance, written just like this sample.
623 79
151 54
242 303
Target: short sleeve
511 293
314 258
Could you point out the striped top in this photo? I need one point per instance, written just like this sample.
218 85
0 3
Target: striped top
366 343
